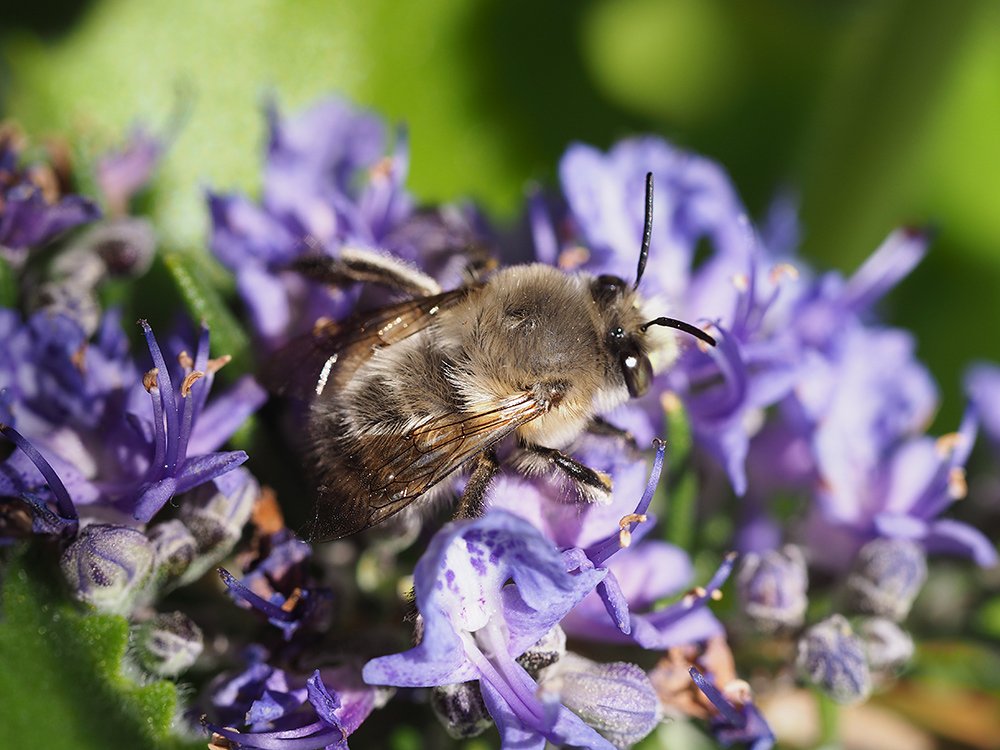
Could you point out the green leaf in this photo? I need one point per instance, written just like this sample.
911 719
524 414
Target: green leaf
204 302
987 619
62 682
683 484
8 285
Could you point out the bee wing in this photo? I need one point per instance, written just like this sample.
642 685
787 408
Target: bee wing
303 367
396 469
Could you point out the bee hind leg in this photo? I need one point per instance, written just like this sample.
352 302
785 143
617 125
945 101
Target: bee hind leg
485 468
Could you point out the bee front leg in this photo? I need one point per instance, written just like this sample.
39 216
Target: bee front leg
356 265
485 468
603 428
587 480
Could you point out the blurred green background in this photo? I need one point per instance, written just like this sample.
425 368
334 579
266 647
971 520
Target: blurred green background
874 113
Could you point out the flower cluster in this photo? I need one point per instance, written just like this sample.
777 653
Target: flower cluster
540 617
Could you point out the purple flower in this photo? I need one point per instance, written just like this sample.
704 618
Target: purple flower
899 492
735 721
278 584
831 305
101 435
215 514
475 624
328 169
330 180
32 211
286 711
604 193
315 728
620 608
982 384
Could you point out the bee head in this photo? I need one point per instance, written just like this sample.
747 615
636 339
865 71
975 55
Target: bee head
619 304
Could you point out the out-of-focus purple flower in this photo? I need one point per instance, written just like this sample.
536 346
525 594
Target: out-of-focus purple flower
278 709
329 169
277 586
982 384
831 305
900 492
110 438
330 180
735 721
32 211
604 194
122 172
832 657
279 610
108 566
475 625
867 396
773 588
324 731
886 577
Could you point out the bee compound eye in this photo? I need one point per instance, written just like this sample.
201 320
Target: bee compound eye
638 372
607 287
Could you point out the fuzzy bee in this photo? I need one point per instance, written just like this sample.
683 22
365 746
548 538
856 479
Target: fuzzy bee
408 395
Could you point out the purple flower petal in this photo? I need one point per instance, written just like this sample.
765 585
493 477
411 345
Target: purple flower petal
28 220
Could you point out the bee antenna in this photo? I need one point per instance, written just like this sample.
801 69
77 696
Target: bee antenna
647 230
680 325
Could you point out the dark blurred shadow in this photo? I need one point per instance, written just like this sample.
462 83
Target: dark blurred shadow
533 82
951 302
46 18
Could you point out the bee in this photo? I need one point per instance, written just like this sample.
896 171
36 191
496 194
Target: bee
409 395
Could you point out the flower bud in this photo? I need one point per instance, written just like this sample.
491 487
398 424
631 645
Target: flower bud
886 577
887 645
108 566
168 644
460 709
126 246
772 588
549 649
832 657
215 514
174 548
616 699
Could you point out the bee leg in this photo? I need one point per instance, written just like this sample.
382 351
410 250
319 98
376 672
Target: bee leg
486 467
603 428
586 478
366 266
